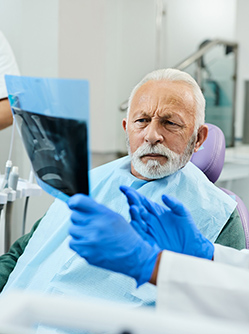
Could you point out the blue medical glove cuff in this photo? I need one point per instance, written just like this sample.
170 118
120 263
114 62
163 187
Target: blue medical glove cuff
206 250
147 264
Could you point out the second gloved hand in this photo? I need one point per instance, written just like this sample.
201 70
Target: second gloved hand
105 239
171 226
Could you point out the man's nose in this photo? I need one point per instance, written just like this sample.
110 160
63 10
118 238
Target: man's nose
153 134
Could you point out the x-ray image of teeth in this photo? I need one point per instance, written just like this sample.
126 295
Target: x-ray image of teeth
57 148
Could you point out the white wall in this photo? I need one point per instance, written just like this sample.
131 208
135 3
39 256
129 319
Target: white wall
40 37
242 29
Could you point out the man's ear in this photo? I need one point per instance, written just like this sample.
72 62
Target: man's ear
201 136
124 124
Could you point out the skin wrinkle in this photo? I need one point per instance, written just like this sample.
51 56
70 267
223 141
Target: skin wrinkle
163 112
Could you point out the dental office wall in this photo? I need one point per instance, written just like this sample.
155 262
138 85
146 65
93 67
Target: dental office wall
113 44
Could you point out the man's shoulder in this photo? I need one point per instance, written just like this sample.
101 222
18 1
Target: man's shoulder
232 234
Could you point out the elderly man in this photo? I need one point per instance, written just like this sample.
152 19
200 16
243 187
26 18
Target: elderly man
165 125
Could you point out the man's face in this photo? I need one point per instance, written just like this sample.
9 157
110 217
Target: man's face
160 128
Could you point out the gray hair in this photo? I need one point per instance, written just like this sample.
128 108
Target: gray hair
171 74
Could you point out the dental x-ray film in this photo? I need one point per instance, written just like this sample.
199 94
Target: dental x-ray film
52 116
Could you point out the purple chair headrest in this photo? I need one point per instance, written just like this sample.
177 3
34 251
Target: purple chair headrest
211 155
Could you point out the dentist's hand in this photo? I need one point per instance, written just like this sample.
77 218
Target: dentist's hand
170 226
105 239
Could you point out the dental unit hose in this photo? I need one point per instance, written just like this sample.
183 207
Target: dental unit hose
13 178
6 174
11 183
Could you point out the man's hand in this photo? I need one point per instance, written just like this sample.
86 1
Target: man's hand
171 226
105 239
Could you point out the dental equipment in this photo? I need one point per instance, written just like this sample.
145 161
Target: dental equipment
12 188
6 174
24 189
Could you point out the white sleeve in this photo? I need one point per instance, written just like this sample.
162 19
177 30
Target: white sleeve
8 64
201 287
231 256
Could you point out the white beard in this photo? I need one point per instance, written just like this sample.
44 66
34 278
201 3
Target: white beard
153 169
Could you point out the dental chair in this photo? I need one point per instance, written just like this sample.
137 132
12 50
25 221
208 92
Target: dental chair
210 160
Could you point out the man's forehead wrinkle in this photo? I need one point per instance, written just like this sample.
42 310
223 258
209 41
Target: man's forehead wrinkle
163 98
163 112
175 101
160 102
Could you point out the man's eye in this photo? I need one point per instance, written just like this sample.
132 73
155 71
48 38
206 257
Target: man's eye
141 120
170 123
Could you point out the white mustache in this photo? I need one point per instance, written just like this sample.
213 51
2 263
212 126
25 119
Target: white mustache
155 149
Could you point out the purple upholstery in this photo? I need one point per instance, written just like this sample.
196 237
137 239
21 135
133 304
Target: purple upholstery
210 159
211 155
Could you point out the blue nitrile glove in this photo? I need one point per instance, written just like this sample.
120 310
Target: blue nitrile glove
105 239
170 226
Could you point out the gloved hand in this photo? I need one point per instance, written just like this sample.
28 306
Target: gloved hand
170 226
105 239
